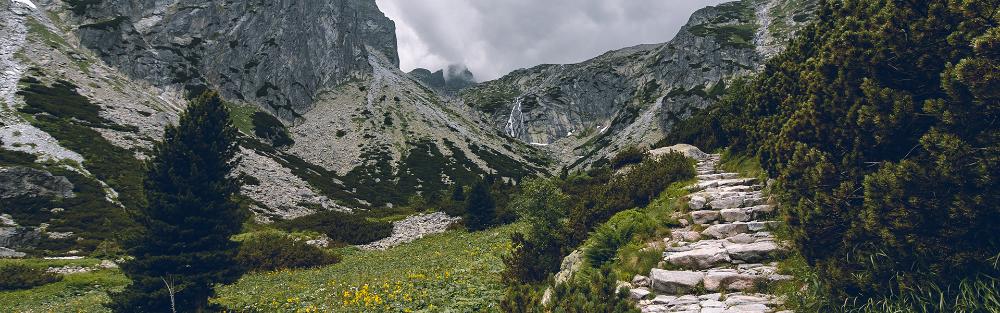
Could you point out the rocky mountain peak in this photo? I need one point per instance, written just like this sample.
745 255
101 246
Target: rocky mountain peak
275 54
450 80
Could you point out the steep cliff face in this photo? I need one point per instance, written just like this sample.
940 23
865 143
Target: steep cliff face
277 54
583 112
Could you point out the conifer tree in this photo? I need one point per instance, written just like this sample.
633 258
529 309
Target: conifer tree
480 207
184 248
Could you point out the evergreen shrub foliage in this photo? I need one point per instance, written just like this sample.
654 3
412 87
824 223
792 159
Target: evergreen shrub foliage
183 248
881 126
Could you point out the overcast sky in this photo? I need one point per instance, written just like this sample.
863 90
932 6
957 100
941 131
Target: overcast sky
494 37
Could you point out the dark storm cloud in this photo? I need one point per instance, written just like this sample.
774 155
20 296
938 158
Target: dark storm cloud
494 37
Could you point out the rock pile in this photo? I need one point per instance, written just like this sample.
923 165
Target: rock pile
722 256
413 228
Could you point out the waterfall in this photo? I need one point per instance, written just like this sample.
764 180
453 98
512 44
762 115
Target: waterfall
515 123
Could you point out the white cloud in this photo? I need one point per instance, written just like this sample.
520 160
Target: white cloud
495 37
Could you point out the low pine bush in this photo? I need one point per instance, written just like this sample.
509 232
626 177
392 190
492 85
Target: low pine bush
348 228
618 231
268 251
20 276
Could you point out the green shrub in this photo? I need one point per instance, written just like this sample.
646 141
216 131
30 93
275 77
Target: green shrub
108 250
268 127
343 227
618 231
888 170
19 276
629 155
590 290
480 207
271 250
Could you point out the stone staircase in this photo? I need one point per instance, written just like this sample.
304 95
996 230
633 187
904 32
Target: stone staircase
722 256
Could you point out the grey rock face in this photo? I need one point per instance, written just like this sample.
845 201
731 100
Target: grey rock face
633 95
17 182
448 81
277 54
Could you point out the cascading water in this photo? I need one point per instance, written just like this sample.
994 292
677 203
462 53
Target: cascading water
515 123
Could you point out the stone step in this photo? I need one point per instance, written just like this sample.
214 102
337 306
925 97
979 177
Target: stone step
721 183
726 230
726 175
664 282
739 249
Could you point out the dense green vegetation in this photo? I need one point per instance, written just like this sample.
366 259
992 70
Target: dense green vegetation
880 125
349 228
563 213
273 250
268 127
457 271
71 118
183 247
15 276
78 292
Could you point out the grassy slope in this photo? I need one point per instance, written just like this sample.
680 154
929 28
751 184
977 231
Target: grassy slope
83 292
455 271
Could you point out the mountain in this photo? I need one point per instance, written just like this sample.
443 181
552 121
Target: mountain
448 81
328 120
585 112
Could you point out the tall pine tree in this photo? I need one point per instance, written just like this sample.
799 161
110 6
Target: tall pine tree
480 207
184 248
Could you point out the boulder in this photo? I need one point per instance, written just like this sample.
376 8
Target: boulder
753 252
704 216
700 258
727 279
640 281
685 235
697 202
675 282
722 231
685 149
639 293
735 215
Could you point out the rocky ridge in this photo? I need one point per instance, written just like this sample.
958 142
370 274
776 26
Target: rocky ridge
723 256
584 112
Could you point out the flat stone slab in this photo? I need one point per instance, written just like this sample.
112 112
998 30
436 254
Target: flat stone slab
704 257
675 282
722 231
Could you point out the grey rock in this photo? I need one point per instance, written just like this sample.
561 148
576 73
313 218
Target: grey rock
753 252
736 215
685 149
275 54
697 203
722 280
700 258
6 253
639 293
413 228
722 231
704 216
640 281
19 182
675 282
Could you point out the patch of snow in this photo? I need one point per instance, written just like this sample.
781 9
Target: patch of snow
539 144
